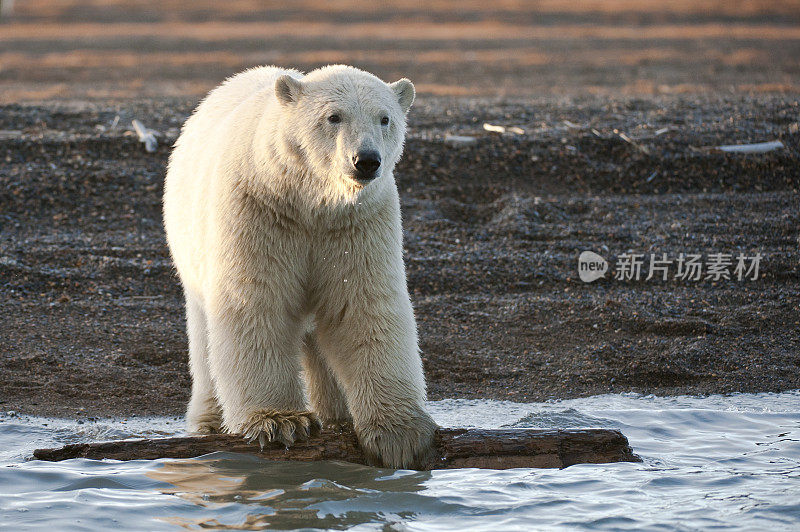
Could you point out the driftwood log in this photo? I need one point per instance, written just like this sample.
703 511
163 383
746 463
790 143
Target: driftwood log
455 448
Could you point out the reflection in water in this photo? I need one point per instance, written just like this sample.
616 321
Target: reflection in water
289 495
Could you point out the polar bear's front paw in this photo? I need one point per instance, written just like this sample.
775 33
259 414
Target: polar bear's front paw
285 427
404 444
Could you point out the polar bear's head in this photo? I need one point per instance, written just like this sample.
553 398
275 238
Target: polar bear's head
346 125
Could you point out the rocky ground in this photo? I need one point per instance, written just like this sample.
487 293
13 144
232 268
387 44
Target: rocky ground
93 319
621 105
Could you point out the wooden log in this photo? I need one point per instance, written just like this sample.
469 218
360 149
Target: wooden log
455 448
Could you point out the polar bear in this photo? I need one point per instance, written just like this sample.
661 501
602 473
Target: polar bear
283 221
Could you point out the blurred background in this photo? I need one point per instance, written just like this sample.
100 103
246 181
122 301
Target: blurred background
87 49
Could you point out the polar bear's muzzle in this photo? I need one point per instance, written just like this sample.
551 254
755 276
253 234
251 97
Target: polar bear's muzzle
366 164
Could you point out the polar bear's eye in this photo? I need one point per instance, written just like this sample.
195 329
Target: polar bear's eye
334 119
385 121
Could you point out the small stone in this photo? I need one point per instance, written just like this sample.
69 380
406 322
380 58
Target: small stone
457 141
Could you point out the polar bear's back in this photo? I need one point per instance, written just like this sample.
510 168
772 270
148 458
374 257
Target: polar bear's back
209 133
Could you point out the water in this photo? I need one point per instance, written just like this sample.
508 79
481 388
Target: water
720 461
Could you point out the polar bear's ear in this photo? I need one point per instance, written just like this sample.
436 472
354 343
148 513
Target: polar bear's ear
288 89
404 90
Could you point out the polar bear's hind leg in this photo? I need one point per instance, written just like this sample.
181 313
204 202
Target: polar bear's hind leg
204 414
324 392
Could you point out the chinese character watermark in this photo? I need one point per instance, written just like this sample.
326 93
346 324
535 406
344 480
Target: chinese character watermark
685 267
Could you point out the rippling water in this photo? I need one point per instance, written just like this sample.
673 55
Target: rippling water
731 461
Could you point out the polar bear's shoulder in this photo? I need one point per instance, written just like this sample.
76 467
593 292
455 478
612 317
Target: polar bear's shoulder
235 90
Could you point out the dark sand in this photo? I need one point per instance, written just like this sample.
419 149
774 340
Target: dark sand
92 319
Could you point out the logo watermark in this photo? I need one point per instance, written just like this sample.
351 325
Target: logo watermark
591 266
683 267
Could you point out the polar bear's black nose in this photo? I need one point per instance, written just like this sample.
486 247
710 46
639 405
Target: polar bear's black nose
367 163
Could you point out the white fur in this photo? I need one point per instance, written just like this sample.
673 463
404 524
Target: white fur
289 262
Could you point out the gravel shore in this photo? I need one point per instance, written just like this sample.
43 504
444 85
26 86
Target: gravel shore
93 318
